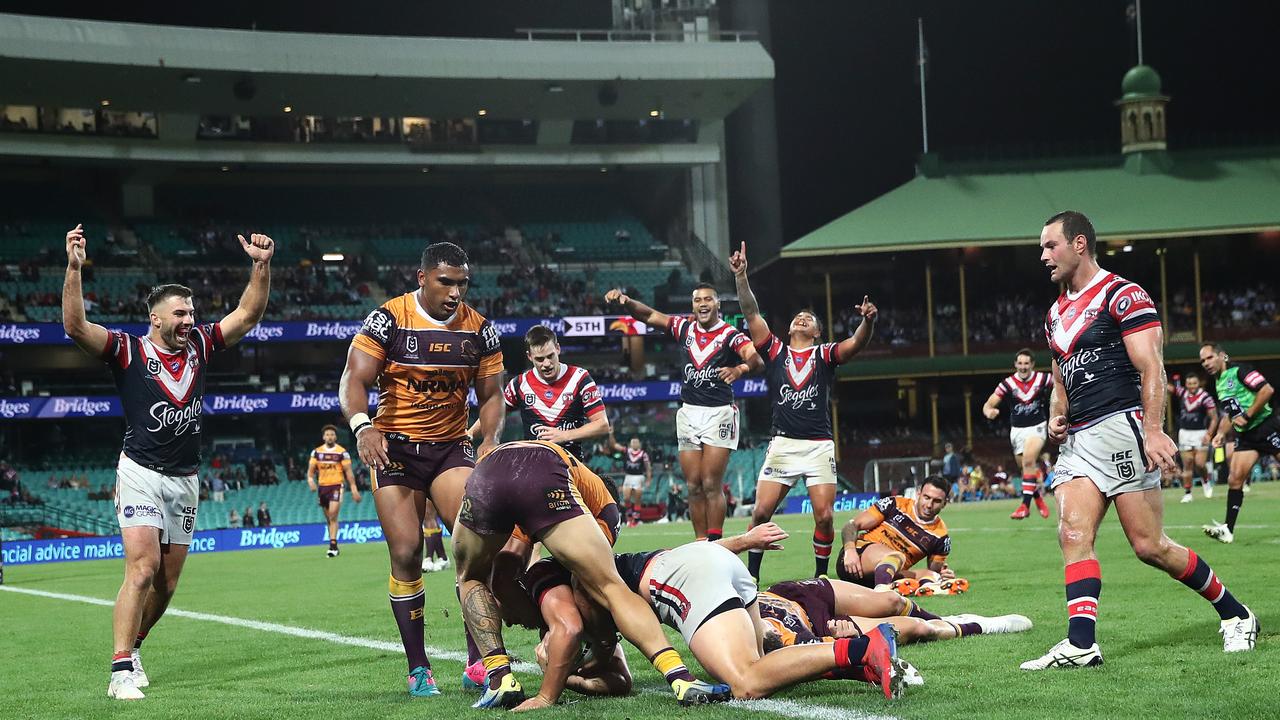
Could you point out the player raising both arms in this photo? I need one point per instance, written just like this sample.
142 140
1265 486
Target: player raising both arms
1197 422
1027 393
637 476
330 464
716 355
800 373
160 377
422 350
1107 409
1244 397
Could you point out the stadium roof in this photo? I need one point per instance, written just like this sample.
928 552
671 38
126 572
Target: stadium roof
1201 194
75 63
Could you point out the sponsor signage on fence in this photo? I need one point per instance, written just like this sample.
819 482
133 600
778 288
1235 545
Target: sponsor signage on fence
33 552
37 408
845 502
298 331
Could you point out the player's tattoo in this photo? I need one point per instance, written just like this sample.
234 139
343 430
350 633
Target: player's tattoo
480 610
746 298
849 533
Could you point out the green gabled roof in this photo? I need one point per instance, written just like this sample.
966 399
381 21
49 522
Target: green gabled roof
1202 194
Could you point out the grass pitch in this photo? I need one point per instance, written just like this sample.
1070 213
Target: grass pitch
1164 658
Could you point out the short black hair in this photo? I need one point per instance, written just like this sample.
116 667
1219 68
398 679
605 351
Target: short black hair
706 286
939 482
539 335
1217 347
1027 352
1076 223
327 428
160 293
443 253
810 311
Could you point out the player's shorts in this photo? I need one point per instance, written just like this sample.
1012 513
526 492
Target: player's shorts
632 482
698 425
816 597
1018 436
789 459
328 494
147 498
416 465
525 485
1265 438
1191 439
1110 454
695 582
868 579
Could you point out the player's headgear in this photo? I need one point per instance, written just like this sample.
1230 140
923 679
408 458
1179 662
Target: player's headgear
1076 223
539 335
160 293
443 253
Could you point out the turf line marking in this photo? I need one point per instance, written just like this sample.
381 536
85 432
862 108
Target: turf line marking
785 708
272 628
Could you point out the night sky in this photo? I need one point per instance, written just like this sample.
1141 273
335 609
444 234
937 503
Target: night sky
1005 76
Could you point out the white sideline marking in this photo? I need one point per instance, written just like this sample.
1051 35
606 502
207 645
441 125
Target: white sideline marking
784 708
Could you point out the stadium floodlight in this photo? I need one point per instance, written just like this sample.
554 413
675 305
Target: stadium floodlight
482 112
288 108
106 103
333 257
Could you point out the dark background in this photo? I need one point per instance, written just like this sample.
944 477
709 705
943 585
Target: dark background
1006 78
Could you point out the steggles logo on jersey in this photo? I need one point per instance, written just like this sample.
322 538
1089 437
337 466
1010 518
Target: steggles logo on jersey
178 420
788 395
700 378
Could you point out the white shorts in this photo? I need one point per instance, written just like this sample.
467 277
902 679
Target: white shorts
632 482
689 584
1192 439
789 459
1018 436
1110 454
698 425
146 498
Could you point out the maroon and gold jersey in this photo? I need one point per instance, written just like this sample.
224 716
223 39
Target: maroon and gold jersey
330 464
427 368
901 529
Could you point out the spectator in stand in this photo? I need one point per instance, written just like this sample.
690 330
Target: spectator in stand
233 518
264 515
218 487
950 465
247 517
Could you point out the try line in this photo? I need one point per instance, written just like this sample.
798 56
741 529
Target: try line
784 708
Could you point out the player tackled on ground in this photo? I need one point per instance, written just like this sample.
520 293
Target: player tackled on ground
882 542
536 485
703 591
422 350
1197 424
716 354
1026 393
1244 398
800 373
329 466
160 377
1107 409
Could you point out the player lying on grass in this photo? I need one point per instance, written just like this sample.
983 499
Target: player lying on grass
822 610
884 541
703 590
538 486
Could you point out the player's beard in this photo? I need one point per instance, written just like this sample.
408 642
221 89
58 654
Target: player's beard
172 338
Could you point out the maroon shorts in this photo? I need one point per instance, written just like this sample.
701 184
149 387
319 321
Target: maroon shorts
416 465
525 485
816 596
868 579
328 494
